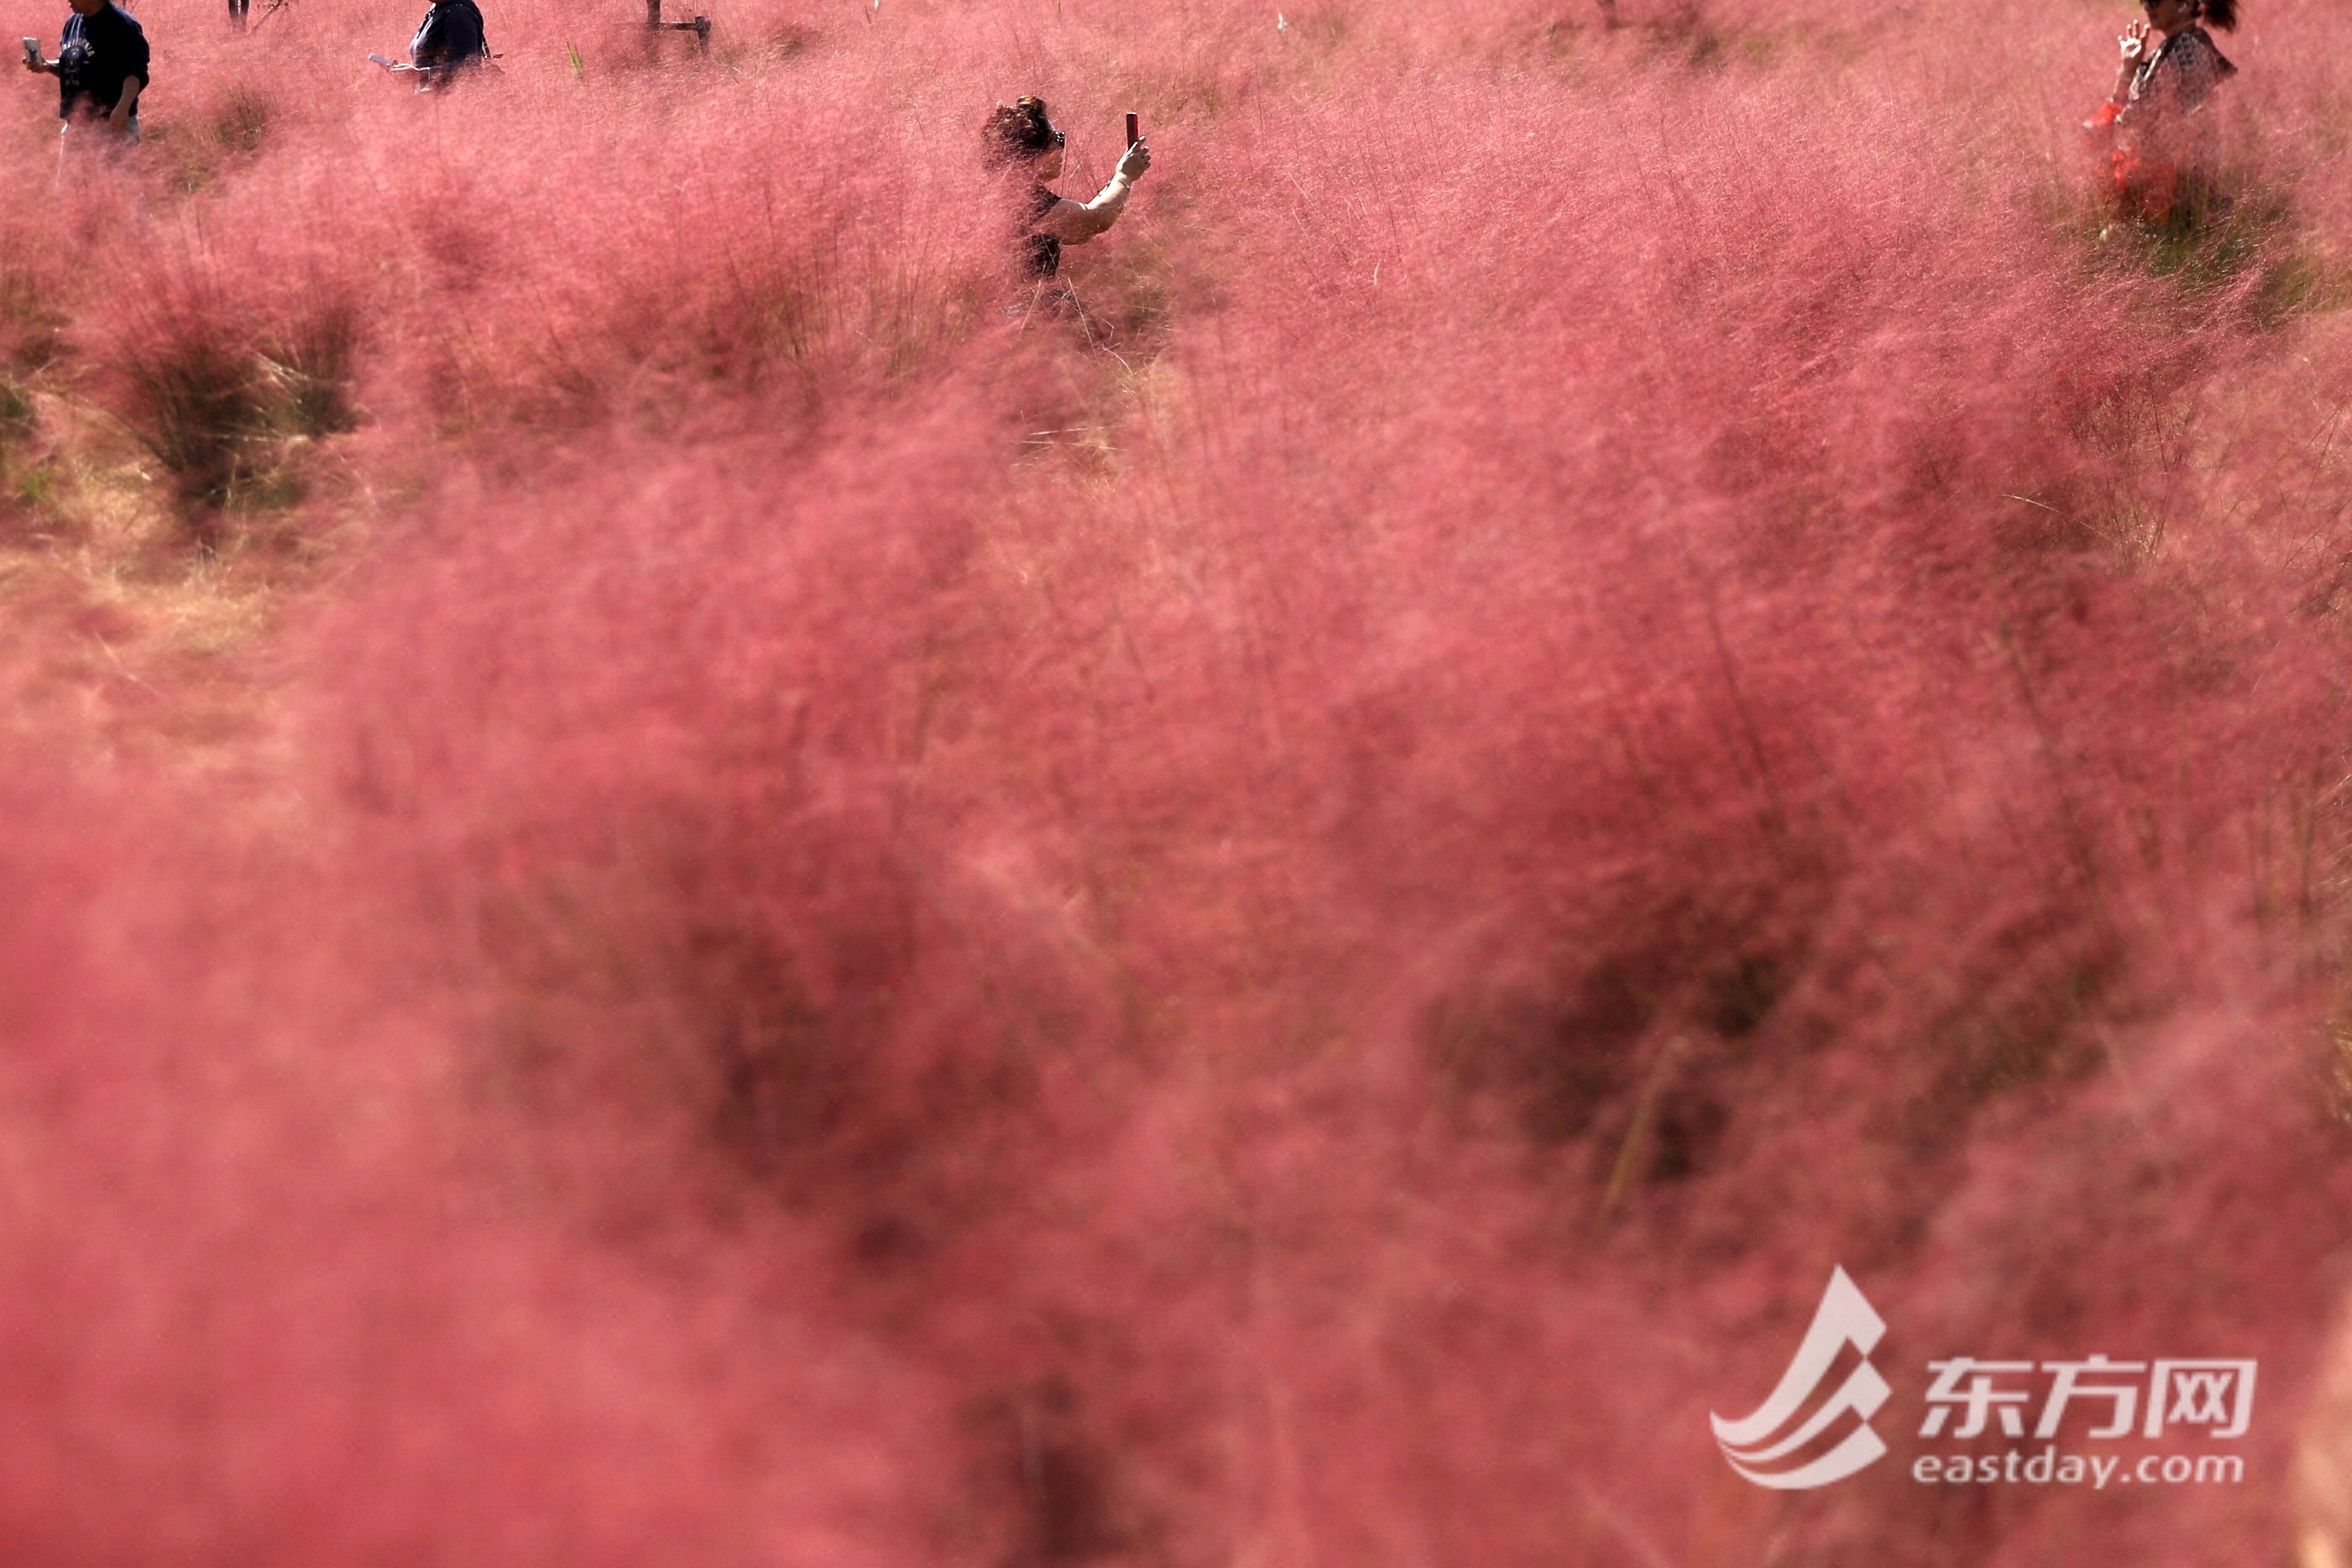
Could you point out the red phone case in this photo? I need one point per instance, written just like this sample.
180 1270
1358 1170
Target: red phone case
1133 133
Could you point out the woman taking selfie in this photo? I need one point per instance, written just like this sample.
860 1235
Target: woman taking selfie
2164 135
1020 136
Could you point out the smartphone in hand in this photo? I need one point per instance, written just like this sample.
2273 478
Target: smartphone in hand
33 53
1134 131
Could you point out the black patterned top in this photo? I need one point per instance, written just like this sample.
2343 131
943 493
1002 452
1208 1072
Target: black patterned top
1044 250
2177 78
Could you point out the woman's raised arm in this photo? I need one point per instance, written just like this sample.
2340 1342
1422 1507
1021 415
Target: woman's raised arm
1075 222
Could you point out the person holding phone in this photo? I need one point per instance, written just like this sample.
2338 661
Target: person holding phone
1020 136
2157 113
101 71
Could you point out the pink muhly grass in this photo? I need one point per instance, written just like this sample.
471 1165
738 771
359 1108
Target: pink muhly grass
849 928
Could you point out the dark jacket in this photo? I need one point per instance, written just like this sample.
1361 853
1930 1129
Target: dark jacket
451 36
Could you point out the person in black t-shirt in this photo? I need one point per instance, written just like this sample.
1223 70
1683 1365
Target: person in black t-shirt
1020 134
101 71
449 43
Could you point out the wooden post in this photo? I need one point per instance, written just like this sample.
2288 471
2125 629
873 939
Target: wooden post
699 26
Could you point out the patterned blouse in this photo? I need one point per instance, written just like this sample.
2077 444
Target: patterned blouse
2177 78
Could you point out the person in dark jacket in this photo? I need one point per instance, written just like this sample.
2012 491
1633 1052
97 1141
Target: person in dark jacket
101 71
449 43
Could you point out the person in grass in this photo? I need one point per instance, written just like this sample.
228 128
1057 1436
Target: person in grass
2158 115
101 71
1020 136
449 43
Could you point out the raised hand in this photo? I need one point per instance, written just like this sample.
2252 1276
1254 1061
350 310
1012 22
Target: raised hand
2134 42
1136 160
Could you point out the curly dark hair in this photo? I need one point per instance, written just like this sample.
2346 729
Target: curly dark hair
2223 14
1019 130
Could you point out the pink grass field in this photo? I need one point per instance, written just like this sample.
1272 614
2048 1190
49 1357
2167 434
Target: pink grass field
672 891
